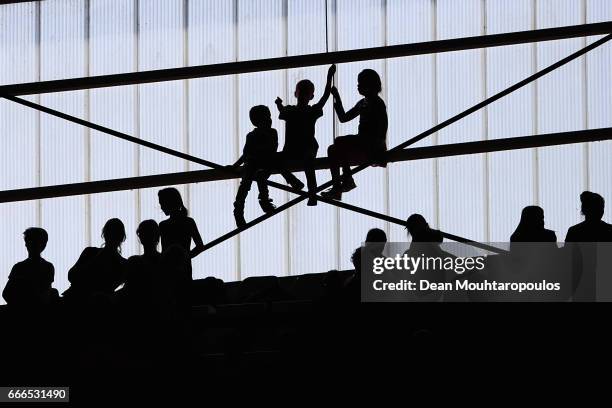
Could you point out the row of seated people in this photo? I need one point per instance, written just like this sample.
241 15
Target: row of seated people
166 276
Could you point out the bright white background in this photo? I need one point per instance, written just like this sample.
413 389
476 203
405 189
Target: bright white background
479 197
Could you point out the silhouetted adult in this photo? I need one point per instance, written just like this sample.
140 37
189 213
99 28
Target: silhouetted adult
29 283
370 143
99 270
593 228
531 227
179 229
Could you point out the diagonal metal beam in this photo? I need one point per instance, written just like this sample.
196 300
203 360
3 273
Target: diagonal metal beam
395 51
200 176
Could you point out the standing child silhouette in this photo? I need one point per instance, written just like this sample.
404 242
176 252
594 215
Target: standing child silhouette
370 143
258 155
300 143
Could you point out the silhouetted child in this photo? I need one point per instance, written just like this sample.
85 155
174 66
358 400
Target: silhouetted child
531 227
29 282
179 229
593 228
99 270
258 155
144 280
300 142
370 144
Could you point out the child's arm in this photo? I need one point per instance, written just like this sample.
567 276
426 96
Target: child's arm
197 240
342 115
279 105
328 87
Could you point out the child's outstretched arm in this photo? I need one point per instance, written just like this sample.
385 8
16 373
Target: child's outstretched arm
279 105
342 115
328 86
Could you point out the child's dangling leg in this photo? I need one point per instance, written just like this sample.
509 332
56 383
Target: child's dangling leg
265 202
241 195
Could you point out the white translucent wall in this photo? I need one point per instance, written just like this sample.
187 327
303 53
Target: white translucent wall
19 129
479 197
514 115
213 131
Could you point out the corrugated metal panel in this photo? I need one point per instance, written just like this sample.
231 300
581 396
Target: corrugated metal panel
18 131
63 144
360 25
562 173
461 85
213 132
511 174
411 104
161 105
112 49
313 230
599 92
261 34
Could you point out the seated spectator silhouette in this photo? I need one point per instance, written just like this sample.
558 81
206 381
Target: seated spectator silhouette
531 227
375 242
29 283
593 228
370 144
179 229
426 242
99 270
143 278
258 155
300 142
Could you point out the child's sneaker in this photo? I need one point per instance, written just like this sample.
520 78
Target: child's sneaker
266 205
297 184
333 194
348 185
239 217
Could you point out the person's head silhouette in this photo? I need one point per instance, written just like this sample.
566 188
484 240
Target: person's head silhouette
261 117
532 217
148 234
304 91
592 206
171 202
376 240
369 83
113 234
35 241
420 231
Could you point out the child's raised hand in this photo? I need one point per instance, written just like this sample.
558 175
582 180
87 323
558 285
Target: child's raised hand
332 71
334 91
278 101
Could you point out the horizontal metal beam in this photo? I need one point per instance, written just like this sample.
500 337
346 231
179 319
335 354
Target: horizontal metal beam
419 153
270 64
